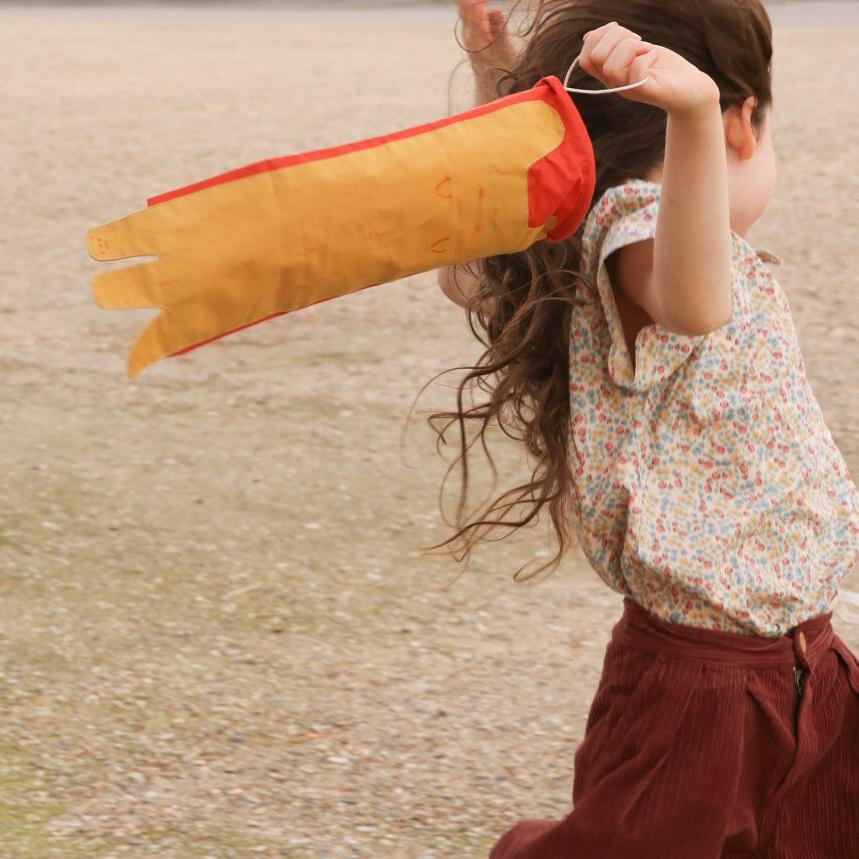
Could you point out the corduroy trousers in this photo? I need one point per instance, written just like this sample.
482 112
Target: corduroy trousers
703 744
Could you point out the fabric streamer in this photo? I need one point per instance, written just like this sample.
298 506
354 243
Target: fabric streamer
281 234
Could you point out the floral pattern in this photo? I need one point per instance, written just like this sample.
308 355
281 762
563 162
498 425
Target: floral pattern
708 487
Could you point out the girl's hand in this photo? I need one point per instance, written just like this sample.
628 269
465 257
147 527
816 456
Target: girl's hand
617 56
482 26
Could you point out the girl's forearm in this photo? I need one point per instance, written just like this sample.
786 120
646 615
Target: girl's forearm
692 250
485 85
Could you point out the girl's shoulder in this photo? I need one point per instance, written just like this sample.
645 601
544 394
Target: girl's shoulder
624 204
627 213
622 215
743 248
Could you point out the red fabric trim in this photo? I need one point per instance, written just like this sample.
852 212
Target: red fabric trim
231 331
563 181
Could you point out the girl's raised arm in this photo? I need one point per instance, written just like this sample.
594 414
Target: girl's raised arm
684 282
692 250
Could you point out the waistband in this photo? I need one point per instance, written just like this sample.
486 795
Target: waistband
805 643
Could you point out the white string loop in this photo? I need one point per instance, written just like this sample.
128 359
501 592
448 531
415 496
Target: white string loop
599 91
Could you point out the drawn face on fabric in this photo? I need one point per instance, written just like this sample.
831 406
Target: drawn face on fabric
751 165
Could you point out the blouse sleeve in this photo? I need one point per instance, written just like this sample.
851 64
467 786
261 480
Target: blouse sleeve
626 214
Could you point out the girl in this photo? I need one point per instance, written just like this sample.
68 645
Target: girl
651 366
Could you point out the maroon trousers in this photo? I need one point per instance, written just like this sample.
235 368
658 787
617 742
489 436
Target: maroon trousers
703 744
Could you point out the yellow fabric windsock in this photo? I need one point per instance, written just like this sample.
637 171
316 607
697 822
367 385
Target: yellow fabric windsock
282 234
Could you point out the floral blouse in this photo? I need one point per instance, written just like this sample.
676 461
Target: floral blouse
708 487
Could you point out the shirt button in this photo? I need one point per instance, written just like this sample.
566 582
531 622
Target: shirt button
802 641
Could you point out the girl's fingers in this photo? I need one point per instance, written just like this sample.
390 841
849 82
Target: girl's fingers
617 66
602 29
496 21
609 51
594 47
468 8
609 41
484 33
640 67
473 12
476 22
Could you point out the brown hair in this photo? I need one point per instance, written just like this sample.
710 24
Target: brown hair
523 300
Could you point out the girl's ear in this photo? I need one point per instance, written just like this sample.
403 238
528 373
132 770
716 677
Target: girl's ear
739 133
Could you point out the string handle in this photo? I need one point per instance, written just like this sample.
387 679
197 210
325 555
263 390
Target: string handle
599 91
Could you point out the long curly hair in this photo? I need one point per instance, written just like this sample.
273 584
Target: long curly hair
520 310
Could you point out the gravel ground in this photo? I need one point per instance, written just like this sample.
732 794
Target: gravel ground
218 634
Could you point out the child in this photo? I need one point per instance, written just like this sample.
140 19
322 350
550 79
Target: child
651 366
